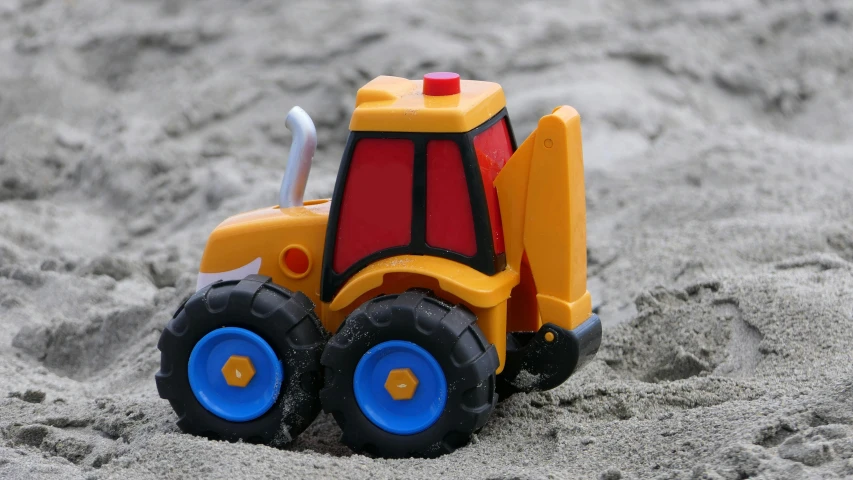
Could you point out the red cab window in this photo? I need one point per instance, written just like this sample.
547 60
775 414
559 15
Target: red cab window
376 211
449 222
494 148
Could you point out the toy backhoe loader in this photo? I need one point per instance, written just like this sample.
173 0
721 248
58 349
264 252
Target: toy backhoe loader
448 267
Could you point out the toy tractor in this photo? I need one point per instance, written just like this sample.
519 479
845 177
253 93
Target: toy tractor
449 267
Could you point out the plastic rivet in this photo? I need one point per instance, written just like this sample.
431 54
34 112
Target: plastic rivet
549 337
401 384
238 371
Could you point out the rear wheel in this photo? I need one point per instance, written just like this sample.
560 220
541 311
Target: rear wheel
409 375
240 360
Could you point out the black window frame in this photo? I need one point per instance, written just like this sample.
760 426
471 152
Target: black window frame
485 260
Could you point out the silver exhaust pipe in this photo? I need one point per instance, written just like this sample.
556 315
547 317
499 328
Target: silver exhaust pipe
299 161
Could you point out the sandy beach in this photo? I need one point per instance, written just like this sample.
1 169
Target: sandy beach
718 165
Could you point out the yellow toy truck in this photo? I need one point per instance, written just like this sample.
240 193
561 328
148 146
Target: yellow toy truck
449 267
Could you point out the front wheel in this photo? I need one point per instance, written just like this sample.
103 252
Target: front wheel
409 375
240 360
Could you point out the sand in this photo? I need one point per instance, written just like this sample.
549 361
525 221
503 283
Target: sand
720 221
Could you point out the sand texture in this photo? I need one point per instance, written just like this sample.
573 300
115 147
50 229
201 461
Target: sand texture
719 170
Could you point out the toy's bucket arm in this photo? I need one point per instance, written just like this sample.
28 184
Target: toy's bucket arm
543 208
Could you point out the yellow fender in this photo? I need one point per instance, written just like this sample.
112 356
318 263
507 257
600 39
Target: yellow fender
485 295
469 285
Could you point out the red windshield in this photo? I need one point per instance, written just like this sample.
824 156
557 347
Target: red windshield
376 211
449 222
494 148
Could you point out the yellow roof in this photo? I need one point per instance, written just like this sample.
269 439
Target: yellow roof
394 104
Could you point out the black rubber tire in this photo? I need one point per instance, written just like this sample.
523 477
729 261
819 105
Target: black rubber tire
450 335
284 319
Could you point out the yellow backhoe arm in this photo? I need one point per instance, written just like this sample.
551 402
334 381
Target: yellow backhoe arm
543 208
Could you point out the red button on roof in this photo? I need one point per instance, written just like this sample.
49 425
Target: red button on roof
441 83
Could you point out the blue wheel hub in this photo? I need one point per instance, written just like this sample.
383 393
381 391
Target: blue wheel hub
408 372
235 374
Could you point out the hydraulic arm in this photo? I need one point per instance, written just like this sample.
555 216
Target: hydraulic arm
541 192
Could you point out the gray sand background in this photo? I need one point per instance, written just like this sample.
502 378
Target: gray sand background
719 168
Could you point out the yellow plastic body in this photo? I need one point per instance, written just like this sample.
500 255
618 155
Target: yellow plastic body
543 209
393 104
542 205
266 234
